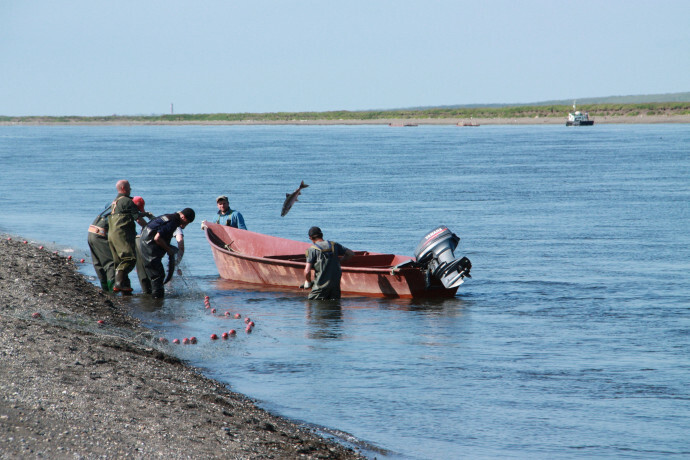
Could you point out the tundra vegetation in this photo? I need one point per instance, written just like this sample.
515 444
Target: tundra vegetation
493 112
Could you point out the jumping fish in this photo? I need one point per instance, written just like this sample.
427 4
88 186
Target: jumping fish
290 199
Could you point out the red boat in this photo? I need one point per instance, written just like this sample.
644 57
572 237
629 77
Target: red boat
250 257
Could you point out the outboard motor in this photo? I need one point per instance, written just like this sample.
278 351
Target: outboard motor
435 253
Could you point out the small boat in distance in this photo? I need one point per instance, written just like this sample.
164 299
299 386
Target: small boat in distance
468 123
401 125
577 118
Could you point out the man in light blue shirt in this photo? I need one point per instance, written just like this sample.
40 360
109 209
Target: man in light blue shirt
227 216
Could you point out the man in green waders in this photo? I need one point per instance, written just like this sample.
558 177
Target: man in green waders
325 257
100 250
122 235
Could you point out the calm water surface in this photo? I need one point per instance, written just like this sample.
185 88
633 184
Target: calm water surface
572 339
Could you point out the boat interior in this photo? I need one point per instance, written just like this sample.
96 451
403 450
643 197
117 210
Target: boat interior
361 259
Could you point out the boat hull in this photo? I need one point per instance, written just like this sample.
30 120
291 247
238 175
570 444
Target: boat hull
579 123
264 260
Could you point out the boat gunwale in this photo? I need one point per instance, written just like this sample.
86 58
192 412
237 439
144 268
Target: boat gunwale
282 262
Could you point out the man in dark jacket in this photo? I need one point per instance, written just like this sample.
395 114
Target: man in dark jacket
155 243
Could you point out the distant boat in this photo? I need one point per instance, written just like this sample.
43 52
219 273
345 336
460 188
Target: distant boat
468 123
401 125
578 118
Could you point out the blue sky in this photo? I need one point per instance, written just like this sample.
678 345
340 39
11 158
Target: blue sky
125 57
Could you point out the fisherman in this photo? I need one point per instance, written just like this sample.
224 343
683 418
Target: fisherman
122 235
227 216
155 243
144 280
101 256
325 257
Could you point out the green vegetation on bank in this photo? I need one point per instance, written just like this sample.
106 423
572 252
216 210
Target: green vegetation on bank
533 111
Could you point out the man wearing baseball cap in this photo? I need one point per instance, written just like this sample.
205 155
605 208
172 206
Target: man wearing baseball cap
325 257
155 243
227 216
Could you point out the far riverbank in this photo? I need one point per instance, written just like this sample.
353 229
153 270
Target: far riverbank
394 122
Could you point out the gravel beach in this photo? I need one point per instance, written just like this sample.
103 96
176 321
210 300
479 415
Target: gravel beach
74 387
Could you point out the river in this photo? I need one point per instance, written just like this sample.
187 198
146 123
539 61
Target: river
571 340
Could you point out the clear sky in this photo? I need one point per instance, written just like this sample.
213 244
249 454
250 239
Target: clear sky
136 57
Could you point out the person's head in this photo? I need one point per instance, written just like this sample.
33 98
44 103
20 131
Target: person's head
186 216
315 233
139 201
122 186
223 204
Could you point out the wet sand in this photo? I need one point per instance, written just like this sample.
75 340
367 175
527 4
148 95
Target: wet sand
71 387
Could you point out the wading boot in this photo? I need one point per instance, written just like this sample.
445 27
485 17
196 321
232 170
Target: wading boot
145 285
158 291
126 288
121 283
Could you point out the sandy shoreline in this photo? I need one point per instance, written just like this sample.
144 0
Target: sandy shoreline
71 387
638 119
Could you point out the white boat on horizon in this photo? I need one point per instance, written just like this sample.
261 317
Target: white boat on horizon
577 118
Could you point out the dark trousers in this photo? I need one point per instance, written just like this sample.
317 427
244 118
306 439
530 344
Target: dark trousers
152 256
102 260
144 279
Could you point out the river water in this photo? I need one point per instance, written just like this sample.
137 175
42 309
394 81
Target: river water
572 339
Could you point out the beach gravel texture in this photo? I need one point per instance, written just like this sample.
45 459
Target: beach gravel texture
71 387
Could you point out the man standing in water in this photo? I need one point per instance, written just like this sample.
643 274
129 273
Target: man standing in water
121 235
155 243
144 280
101 255
325 257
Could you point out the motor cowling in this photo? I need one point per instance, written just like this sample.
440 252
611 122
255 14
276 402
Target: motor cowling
435 253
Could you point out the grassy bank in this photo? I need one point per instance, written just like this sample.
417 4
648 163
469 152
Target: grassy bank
536 111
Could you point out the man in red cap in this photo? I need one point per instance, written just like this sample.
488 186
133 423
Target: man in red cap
144 280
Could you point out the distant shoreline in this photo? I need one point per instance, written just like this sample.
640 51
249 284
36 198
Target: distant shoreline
637 119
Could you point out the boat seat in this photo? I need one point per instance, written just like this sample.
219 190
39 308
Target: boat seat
303 257
370 260
292 257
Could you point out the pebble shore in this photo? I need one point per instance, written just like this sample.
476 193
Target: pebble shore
71 387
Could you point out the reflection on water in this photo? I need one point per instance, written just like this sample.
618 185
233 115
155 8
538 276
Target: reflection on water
146 304
324 318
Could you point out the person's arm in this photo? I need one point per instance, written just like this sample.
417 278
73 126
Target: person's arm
347 256
138 216
307 273
238 221
162 243
307 276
